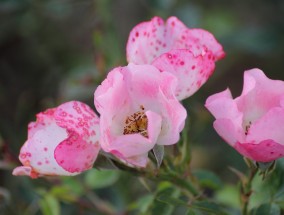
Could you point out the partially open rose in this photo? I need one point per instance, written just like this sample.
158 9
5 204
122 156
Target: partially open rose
62 141
252 123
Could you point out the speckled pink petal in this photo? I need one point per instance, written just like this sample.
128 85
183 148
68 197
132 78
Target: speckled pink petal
200 41
265 151
192 71
76 155
82 144
42 154
149 40
38 151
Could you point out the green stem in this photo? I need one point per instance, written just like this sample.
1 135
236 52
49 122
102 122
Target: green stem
182 183
247 190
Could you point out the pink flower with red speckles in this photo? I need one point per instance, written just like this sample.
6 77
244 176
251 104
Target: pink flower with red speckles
62 141
253 122
138 110
189 54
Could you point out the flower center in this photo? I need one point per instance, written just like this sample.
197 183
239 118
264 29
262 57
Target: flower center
247 127
137 123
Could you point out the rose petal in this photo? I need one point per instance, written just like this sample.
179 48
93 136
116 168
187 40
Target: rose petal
265 151
191 71
270 126
149 40
38 151
259 95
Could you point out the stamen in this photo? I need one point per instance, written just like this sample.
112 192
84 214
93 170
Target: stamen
137 123
247 128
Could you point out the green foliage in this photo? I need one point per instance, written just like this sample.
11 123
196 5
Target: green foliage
101 178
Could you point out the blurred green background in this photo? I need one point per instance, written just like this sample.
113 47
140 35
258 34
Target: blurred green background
60 50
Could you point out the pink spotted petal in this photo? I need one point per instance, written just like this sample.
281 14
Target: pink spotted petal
79 117
265 151
200 41
38 151
80 154
191 71
72 122
149 40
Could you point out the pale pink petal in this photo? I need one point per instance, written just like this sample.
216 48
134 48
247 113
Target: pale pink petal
229 120
111 94
192 71
259 95
222 106
270 126
174 116
23 170
146 83
265 151
229 131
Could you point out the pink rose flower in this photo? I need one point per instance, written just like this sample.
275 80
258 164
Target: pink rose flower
138 110
252 123
62 141
189 54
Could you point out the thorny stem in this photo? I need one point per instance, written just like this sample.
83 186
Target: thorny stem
246 190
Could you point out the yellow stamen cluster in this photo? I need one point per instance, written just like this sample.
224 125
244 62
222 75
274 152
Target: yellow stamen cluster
137 123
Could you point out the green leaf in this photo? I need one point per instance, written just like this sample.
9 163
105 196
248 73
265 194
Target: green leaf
229 195
101 178
208 179
49 205
265 209
210 207
158 151
143 203
171 201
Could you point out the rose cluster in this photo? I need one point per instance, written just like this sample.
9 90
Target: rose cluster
139 107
